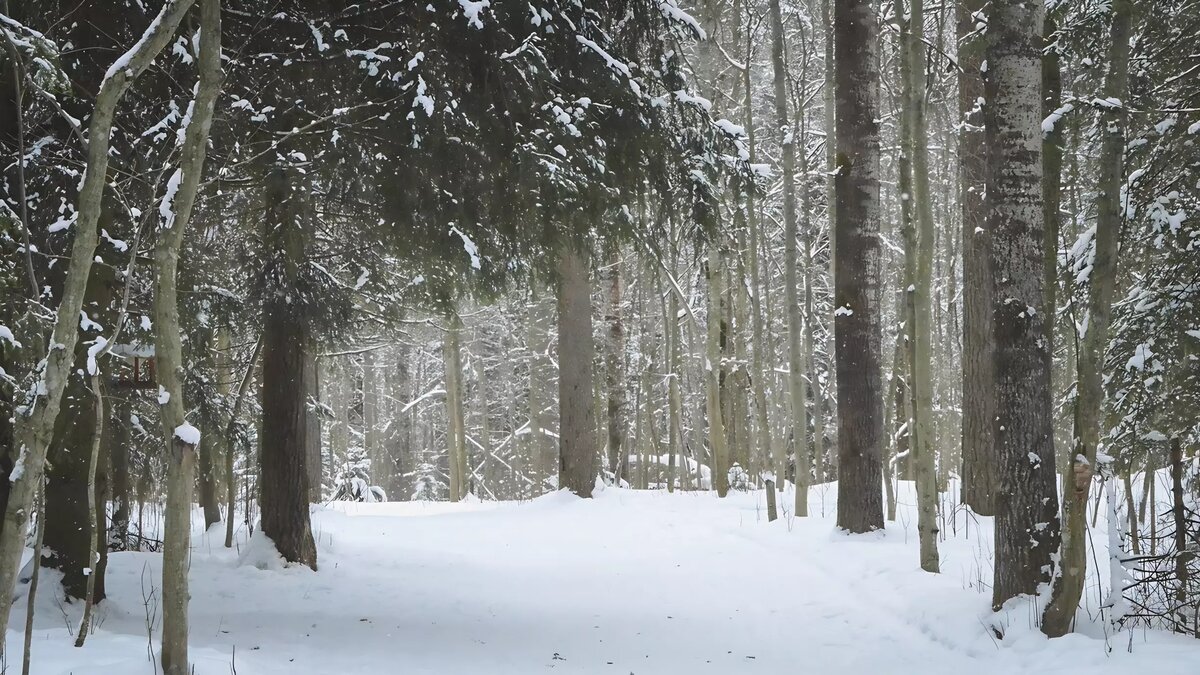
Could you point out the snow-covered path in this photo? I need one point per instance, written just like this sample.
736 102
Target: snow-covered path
626 583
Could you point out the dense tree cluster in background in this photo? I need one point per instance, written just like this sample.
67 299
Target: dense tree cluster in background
484 250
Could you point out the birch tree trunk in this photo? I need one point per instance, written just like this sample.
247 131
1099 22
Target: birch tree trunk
797 364
181 437
577 442
33 429
920 294
1093 338
1027 525
856 281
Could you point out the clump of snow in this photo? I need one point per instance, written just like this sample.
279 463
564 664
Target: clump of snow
471 9
260 552
93 352
1053 118
188 434
469 247
7 336
166 207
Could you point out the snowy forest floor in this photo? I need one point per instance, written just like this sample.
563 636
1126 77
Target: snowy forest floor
629 582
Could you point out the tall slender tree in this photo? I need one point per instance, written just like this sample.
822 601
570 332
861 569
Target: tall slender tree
1094 335
181 437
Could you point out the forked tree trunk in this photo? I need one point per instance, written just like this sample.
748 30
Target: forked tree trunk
181 437
1093 340
33 429
856 281
1027 525
576 425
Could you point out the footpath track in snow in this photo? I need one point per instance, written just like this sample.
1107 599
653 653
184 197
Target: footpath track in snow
630 582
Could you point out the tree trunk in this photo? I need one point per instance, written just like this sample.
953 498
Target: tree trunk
118 457
283 455
1179 518
577 443
674 358
68 515
980 477
536 339
758 364
33 430
401 450
1027 526
920 293
712 360
615 371
312 416
797 365
370 410
227 437
181 438
856 282
1093 341
456 433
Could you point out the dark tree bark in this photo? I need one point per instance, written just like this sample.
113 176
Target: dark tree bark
117 440
283 457
1027 521
577 428
400 446
69 535
980 476
209 502
856 284
68 521
618 463
312 417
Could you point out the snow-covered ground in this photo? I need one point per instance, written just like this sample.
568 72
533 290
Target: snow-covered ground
629 582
